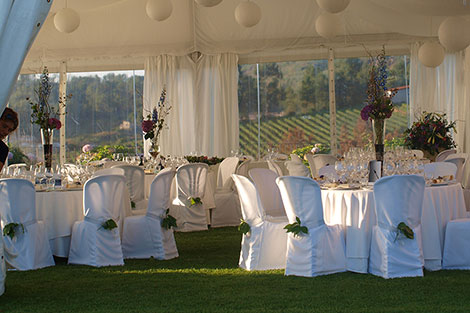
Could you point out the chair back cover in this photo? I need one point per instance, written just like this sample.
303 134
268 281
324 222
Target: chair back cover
459 163
243 168
302 198
109 171
274 167
135 180
252 209
296 167
226 168
317 161
102 197
399 198
268 191
417 153
444 154
441 169
17 201
159 198
191 180
328 171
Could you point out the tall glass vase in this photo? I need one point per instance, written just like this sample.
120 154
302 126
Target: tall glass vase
46 138
378 127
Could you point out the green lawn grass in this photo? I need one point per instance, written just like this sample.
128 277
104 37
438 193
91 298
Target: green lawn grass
205 278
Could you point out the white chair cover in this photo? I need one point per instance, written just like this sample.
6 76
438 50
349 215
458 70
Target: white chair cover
444 154
91 244
264 247
398 198
143 236
3 270
30 249
460 164
296 167
441 169
243 168
227 206
190 182
328 171
456 243
268 191
274 167
418 154
135 181
317 161
320 252
109 171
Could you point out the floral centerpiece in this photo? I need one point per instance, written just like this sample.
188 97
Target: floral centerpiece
379 105
153 124
46 115
431 133
203 159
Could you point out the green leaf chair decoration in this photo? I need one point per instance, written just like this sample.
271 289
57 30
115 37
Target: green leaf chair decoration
194 201
244 227
405 230
168 221
10 229
296 228
109 224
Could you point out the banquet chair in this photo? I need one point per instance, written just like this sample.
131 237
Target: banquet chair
322 250
242 169
398 198
268 191
29 249
264 246
274 167
460 164
91 243
440 169
418 154
317 161
109 171
456 255
190 184
135 181
143 236
296 167
227 206
444 154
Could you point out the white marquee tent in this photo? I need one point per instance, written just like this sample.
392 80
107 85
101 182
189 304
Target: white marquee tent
118 35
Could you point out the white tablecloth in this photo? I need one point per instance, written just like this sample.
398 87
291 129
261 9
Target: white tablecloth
354 210
60 210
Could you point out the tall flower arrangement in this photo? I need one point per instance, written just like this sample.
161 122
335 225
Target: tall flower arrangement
154 123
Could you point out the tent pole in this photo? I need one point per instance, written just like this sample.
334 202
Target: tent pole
331 84
135 114
63 97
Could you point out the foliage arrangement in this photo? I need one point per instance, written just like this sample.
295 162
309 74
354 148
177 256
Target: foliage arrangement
194 201
17 155
244 227
404 229
431 133
296 228
154 122
43 113
101 152
168 221
10 229
379 97
203 159
395 142
317 148
109 224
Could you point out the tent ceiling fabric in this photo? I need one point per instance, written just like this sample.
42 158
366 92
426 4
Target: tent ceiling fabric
117 34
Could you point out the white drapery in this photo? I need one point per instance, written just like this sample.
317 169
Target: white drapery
20 21
203 94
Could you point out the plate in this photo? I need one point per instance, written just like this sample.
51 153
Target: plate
440 184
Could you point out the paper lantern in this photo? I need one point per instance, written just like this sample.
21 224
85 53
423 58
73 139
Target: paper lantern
431 54
454 33
208 3
66 20
333 6
247 14
328 25
159 10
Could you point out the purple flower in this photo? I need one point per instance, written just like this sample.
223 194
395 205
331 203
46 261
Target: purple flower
155 115
365 112
54 123
86 148
10 155
147 125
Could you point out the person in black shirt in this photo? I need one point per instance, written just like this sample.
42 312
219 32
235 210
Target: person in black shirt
8 124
